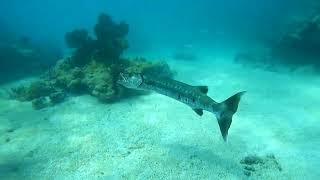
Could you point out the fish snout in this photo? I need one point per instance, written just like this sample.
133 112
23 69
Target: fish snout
122 78
129 81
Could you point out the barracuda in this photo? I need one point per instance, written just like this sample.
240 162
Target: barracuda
193 96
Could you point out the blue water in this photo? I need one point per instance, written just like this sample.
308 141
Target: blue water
152 136
152 23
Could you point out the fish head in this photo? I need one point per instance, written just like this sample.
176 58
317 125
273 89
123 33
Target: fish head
132 81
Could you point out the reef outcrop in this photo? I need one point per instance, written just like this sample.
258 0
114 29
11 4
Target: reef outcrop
20 57
93 68
298 46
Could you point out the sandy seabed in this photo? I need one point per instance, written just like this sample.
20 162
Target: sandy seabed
155 137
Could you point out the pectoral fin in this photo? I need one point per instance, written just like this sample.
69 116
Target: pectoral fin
198 111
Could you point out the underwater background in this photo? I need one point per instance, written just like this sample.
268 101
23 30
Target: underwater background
63 115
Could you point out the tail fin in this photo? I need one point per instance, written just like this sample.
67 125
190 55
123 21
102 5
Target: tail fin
228 108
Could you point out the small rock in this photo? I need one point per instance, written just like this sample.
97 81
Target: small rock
40 103
10 130
76 86
57 97
249 168
255 164
8 139
252 159
30 154
77 73
124 154
271 156
193 156
247 173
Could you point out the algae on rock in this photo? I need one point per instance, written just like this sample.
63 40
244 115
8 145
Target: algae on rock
99 80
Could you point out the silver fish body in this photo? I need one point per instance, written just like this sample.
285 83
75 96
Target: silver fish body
193 96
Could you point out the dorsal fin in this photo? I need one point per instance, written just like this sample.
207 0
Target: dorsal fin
198 111
203 89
